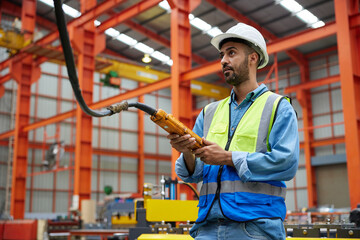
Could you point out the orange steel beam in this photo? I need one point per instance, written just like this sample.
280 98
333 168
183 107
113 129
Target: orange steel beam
5 78
148 33
322 51
5 64
269 73
201 71
348 51
7 134
312 84
181 55
85 42
304 98
302 38
100 151
28 15
49 121
14 10
355 20
172 3
127 14
141 146
23 71
327 142
2 90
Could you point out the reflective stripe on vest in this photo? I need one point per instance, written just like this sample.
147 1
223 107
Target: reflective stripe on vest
239 186
262 139
209 114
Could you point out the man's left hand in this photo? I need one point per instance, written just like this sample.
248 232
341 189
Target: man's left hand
213 154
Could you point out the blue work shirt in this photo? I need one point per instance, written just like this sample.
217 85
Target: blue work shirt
283 139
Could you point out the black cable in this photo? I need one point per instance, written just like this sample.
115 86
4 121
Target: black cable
151 111
70 63
123 106
191 187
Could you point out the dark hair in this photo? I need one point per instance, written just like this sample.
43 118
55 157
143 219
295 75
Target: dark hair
249 46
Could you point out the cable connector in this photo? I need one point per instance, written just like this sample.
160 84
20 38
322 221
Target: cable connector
123 106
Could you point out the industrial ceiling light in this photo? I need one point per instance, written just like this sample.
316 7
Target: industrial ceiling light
146 58
303 14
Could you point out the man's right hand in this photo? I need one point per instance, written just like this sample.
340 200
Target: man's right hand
182 143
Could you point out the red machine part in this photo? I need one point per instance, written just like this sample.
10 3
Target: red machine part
18 230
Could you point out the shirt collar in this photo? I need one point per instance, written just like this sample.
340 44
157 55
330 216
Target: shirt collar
251 96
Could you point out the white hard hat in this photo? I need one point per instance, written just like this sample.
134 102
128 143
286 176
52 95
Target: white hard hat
248 33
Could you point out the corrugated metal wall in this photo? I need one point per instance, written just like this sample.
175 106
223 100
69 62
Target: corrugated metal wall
52 95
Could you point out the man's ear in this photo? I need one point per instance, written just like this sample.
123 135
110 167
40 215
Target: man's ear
253 59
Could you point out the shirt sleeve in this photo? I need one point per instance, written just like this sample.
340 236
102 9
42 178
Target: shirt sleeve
180 166
281 163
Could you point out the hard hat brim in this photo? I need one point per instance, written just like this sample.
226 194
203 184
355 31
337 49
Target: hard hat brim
215 41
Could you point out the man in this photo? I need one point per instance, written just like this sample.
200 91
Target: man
251 147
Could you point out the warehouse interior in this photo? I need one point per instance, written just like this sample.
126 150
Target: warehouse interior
64 173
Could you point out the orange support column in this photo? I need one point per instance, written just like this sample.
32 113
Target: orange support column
28 15
181 56
348 51
141 147
304 99
87 44
24 72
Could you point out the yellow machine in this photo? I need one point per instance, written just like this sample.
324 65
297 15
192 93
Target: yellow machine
11 39
122 220
164 237
160 216
164 219
158 210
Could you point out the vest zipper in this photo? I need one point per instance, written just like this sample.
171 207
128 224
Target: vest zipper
217 194
218 179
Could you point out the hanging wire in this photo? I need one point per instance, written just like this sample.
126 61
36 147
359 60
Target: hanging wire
70 63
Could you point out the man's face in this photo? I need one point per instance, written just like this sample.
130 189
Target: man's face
234 61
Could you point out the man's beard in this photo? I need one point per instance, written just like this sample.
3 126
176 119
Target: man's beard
235 79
